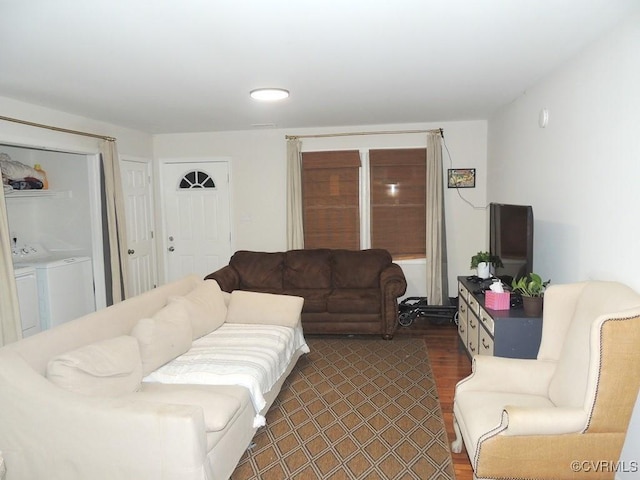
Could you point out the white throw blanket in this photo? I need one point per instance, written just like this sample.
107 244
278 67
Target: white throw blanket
253 356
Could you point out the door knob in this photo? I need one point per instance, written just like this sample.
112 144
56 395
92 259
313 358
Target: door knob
131 251
171 248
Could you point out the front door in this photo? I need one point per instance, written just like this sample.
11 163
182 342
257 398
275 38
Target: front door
136 185
197 218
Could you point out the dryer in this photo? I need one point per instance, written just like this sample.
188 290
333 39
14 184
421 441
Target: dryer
64 284
27 286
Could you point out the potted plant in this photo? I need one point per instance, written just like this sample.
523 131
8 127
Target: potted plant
532 288
482 261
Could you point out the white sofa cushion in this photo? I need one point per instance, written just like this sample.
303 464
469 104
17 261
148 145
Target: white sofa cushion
206 307
163 337
110 368
264 308
218 408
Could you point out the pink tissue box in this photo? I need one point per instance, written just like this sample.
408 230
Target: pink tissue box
497 301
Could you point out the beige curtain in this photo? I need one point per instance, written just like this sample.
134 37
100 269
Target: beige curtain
437 271
10 325
295 232
116 223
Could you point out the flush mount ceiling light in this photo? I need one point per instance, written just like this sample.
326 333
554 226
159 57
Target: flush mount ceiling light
269 94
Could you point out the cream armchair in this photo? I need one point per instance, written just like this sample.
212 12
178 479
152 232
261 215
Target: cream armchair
533 419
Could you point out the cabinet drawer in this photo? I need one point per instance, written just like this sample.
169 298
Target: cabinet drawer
463 292
487 321
474 306
473 325
485 342
472 340
462 321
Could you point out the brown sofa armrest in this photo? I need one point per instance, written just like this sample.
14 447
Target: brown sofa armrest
227 277
393 284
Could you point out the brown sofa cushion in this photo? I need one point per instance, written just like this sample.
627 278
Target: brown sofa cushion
259 270
358 269
354 300
307 269
315 299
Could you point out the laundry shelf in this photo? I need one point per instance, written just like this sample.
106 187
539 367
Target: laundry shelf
37 194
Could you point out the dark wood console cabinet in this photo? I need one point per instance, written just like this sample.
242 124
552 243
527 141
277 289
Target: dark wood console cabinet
502 333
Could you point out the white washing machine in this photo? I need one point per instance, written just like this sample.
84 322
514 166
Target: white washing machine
65 285
27 285
65 289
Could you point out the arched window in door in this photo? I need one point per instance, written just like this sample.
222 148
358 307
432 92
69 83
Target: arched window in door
196 179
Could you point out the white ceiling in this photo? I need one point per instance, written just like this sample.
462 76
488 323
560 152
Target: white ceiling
168 66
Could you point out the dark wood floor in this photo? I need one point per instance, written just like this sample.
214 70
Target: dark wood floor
449 364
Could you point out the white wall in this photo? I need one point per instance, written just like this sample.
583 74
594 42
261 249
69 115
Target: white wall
130 142
259 182
581 172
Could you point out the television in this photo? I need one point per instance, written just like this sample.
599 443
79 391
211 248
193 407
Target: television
511 238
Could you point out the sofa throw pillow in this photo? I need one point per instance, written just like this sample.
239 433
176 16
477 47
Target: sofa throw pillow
206 307
163 337
107 368
264 308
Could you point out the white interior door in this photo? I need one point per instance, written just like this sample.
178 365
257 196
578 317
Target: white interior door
136 184
197 218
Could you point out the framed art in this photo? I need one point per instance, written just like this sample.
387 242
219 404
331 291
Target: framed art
461 178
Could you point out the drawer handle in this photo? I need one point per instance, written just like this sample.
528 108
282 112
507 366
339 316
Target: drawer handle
462 330
473 349
485 345
462 309
471 324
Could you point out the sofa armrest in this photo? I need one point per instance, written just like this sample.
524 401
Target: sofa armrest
227 277
393 281
515 375
393 284
48 432
542 421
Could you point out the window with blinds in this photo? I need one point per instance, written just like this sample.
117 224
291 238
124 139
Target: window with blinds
397 201
394 208
331 199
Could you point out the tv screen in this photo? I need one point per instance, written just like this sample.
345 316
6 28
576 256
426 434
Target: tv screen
511 238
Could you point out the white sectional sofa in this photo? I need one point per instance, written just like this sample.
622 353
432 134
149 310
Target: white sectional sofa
138 390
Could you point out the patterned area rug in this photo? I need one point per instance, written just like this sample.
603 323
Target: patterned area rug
354 408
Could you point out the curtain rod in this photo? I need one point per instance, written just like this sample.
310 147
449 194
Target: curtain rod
348 134
57 129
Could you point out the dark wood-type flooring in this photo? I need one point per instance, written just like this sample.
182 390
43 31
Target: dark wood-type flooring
449 364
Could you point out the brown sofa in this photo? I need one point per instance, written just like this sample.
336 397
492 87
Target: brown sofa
344 291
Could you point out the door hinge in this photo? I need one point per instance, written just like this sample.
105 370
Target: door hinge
152 234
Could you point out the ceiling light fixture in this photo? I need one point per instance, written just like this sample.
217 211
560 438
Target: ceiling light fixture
269 94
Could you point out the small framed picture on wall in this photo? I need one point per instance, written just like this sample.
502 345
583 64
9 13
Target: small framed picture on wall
461 178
